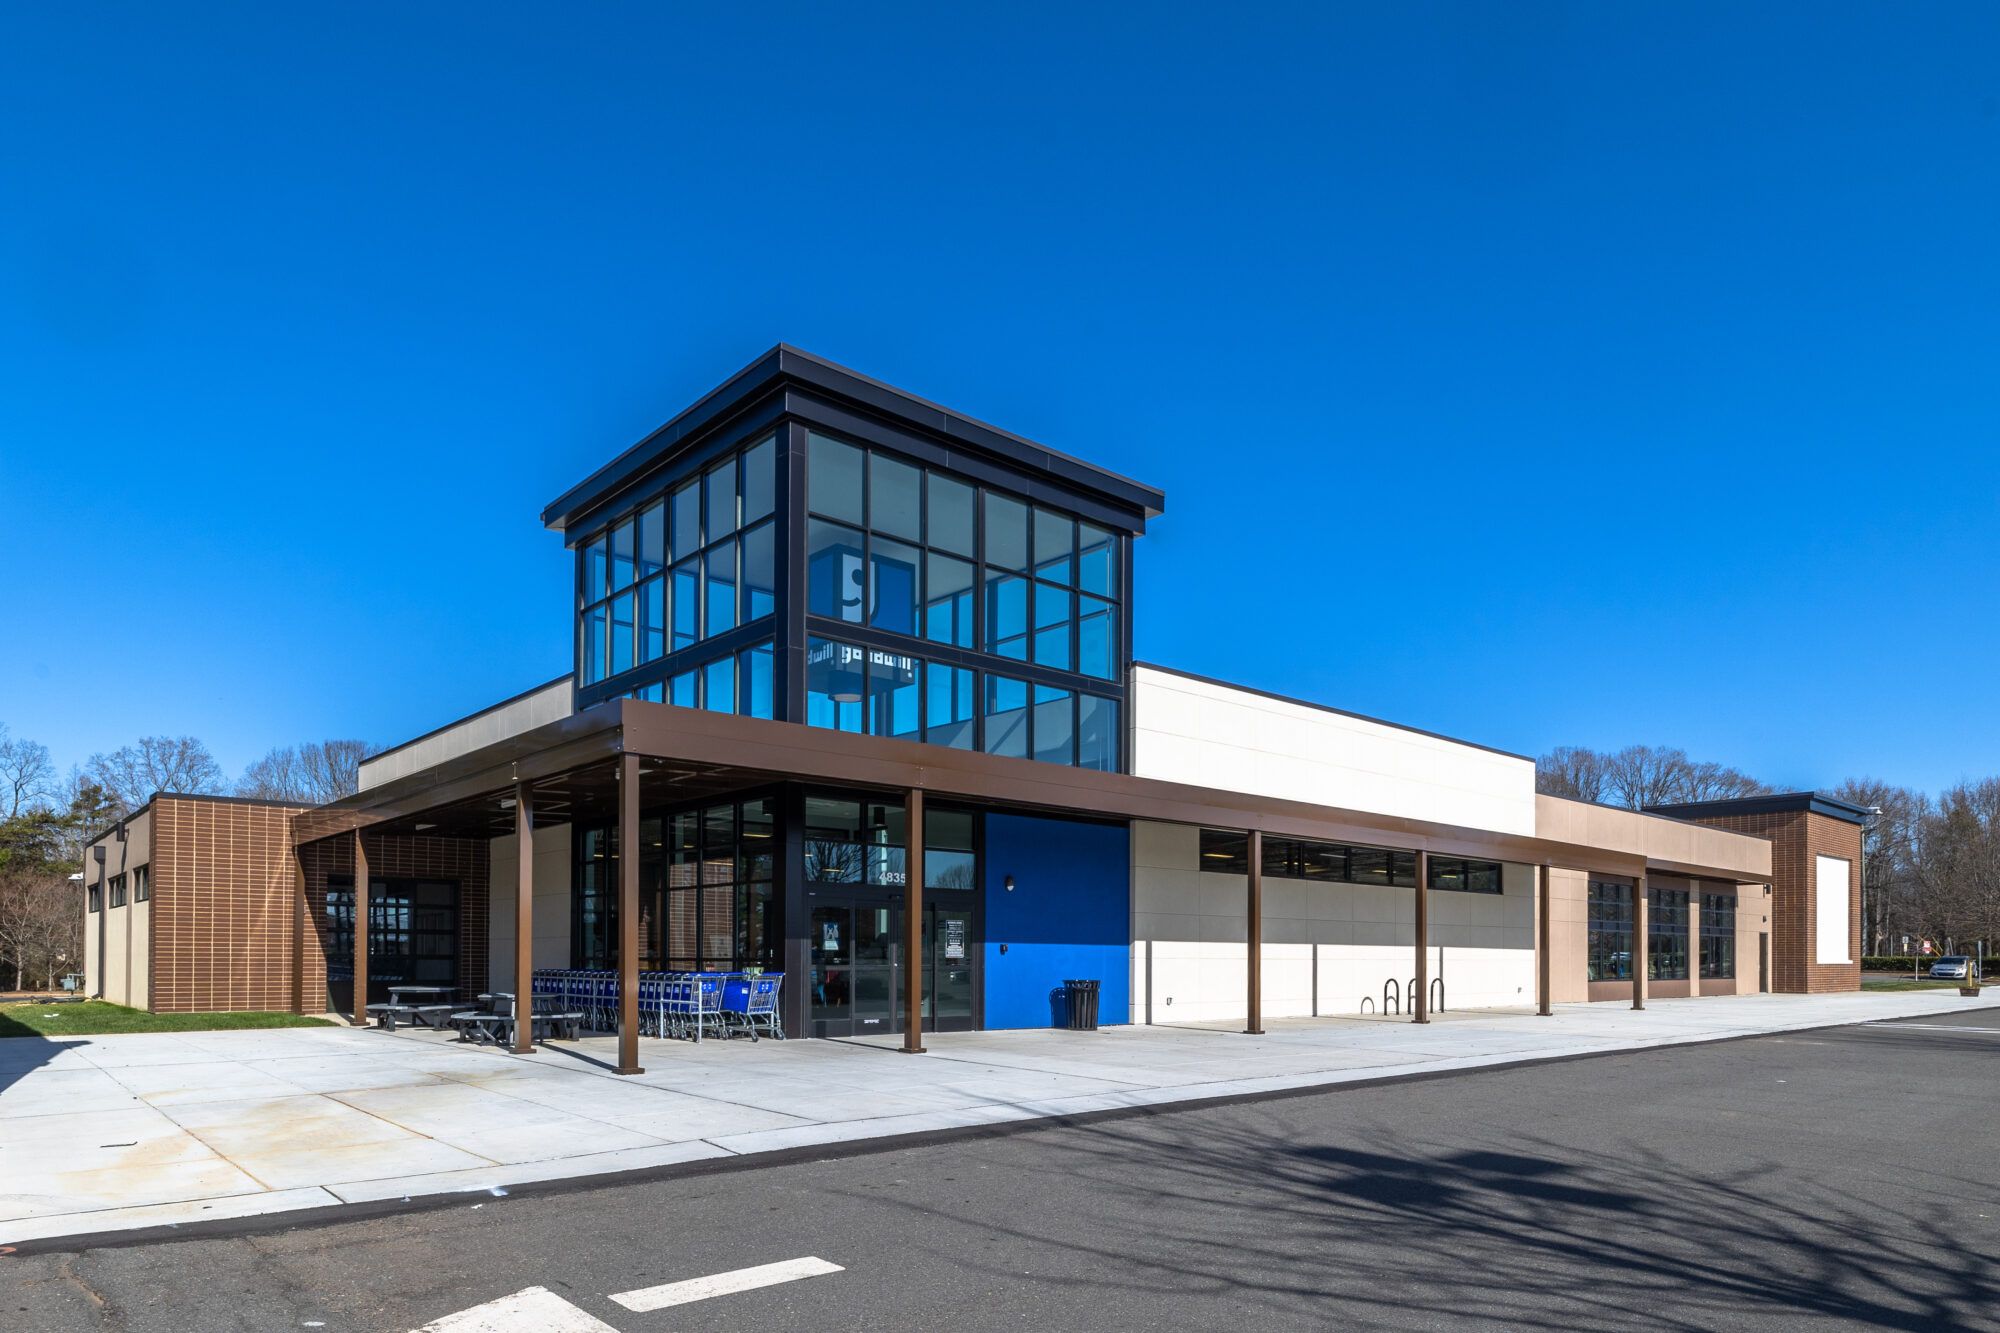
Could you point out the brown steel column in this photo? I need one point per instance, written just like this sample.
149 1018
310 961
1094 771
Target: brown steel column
1254 938
913 922
298 933
1544 992
628 915
360 931
524 919
1640 952
1420 1008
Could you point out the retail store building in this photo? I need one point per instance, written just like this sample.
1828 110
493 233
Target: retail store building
815 614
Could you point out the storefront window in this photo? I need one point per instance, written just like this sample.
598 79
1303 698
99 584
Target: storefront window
1718 935
706 897
1610 926
1666 934
1298 858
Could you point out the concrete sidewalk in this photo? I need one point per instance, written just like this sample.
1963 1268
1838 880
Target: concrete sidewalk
118 1132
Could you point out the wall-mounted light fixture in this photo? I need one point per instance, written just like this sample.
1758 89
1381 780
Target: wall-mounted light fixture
1010 883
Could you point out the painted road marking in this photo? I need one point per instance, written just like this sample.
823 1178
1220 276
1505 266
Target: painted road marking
532 1310
1935 1027
722 1284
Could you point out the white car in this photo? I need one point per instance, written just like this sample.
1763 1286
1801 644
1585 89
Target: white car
1954 968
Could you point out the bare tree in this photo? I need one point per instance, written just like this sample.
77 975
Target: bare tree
131 775
1889 855
1572 771
27 777
1714 782
1955 897
1638 776
41 924
311 774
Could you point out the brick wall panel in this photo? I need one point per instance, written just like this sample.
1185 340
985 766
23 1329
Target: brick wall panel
466 860
1798 837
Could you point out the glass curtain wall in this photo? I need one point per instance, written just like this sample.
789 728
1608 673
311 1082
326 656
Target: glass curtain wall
707 892
882 693
1610 921
1718 935
911 551
680 567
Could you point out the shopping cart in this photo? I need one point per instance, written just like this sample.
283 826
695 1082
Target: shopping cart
750 1004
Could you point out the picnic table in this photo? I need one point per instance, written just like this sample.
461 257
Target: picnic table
406 1004
496 1024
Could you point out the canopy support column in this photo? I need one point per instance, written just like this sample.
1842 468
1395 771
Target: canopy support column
1254 938
524 920
913 921
1544 972
360 931
1420 1004
628 914
1641 943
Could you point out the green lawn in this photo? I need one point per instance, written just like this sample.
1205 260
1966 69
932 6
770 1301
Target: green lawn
68 1020
1878 981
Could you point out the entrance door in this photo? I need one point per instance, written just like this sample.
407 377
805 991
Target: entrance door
858 974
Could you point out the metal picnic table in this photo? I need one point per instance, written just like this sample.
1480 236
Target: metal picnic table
496 1025
406 1005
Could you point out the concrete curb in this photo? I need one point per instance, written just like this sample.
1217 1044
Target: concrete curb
318 1205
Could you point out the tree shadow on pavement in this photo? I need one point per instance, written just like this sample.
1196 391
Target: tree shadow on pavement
1520 1231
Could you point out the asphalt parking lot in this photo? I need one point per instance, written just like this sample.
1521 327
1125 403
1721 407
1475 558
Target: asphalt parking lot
1838 1178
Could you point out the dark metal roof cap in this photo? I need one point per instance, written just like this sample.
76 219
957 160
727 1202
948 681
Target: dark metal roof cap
1812 802
787 363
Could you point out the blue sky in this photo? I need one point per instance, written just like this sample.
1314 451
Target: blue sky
1537 374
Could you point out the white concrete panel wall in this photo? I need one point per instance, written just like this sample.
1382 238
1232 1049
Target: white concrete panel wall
551 703
552 872
1214 735
1327 947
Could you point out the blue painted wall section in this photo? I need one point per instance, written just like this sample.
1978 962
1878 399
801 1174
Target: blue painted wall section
1069 916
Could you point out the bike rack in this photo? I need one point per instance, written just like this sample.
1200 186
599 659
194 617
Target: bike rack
1367 1004
1392 997
1437 996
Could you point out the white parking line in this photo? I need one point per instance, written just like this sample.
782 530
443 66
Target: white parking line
531 1310
722 1284
1934 1027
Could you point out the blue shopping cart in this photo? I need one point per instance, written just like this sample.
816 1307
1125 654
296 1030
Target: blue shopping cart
750 1004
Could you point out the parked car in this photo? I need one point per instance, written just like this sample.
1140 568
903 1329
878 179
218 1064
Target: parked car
1954 968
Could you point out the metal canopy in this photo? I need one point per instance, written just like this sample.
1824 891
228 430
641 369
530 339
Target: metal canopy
692 755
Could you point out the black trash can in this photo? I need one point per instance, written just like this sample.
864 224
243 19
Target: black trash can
1082 1005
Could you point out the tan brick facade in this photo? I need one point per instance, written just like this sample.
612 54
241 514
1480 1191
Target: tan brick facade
222 907
467 860
236 921
1798 837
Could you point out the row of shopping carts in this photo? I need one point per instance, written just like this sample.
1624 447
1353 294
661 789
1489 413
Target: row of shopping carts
673 1004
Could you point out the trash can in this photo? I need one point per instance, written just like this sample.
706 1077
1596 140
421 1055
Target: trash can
1082 997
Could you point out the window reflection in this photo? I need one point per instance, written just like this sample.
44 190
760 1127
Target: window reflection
706 592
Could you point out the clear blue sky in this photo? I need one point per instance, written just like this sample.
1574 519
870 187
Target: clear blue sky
1531 373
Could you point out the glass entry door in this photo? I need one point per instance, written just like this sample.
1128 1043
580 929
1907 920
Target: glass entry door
858 978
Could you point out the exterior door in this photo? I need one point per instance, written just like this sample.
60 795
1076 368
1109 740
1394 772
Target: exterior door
858 977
